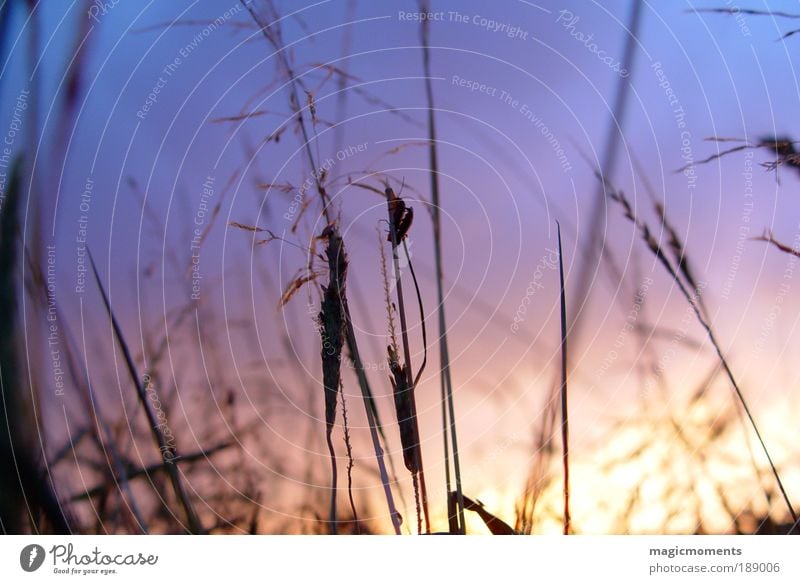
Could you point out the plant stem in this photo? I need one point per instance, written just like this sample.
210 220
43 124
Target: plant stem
595 240
368 406
408 368
564 373
619 197
334 480
448 406
194 525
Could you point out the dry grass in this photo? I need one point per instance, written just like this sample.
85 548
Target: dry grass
456 519
125 491
23 490
166 449
332 332
404 380
692 297
564 375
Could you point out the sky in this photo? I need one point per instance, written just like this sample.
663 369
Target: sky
524 95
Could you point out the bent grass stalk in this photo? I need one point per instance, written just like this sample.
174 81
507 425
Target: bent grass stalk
656 249
496 525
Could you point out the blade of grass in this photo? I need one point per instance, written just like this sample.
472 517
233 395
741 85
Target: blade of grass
690 297
564 373
446 381
21 485
164 448
405 389
595 242
372 420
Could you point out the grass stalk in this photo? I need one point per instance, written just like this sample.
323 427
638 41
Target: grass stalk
400 219
595 241
369 406
166 450
691 298
332 332
350 464
564 373
446 382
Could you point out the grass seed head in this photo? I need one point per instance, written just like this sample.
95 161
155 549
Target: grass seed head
332 322
404 410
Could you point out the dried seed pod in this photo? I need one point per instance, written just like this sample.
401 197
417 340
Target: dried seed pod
332 322
332 317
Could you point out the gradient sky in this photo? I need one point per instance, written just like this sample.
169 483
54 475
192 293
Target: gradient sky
503 185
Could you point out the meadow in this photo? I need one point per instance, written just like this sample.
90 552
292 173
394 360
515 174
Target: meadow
342 268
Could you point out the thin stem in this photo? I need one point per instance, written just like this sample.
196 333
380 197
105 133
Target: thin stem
168 451
408 368
742 400
595 241
448 406
273 37
334 480
371 420
350 463
654 247
564 373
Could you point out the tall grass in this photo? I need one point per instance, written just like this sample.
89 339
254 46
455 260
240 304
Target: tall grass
29 499
564 374
266 17
24 493
692 298
449 433
332 330
167 450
